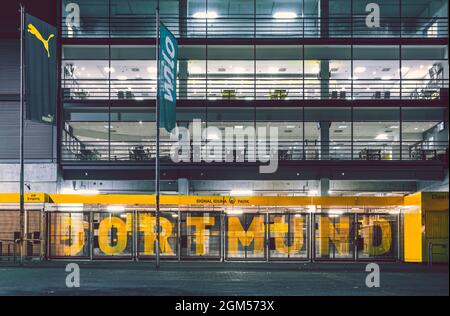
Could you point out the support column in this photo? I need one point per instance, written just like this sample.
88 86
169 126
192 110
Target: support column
183 76
324 14
324 79
183 65
324 187
182 17
183 186
324 140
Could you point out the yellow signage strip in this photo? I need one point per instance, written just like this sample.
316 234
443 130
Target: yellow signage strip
229 201
28 198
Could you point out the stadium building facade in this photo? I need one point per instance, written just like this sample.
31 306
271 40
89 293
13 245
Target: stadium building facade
357 92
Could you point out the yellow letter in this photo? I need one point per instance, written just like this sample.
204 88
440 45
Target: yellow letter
200 223
72 234
279 229
367 233
254 233
338 234
108 242
147 225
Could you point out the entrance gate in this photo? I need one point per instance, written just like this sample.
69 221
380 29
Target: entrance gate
187 235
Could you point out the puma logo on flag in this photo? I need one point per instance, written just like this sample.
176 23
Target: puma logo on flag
33 30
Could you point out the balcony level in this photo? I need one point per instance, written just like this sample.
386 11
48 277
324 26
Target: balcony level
257 19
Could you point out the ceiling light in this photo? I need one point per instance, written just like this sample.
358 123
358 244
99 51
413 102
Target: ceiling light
115 208
205 15
290 126
242 192
393 126
343 126
382 137
109 69
122 77
108 126
284 15
195 70
386 78
81 192
359 70
234 212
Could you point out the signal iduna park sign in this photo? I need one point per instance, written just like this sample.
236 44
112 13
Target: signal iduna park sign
187 234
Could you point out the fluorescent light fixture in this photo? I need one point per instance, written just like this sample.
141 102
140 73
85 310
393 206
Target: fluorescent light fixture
122 77
205 15
360 69
382 137
238 69
386 78
115 208
393 126
81 191
239 126
342 126
139 98
241 192
234 212
284 15
195 70
109 69
290 126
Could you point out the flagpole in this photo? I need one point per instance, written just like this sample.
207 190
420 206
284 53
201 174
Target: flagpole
157 180
22 244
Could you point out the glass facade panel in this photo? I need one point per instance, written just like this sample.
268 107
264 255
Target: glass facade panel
257 18
69 234
288 236
245 236
201 235
377 236
146 234
334 236
113 234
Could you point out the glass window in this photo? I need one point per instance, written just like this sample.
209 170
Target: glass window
334 235
376 134
288 236
279 72
200 234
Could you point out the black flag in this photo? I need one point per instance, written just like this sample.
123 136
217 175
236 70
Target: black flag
40 70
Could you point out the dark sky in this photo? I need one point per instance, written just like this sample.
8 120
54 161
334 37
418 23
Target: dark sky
10 18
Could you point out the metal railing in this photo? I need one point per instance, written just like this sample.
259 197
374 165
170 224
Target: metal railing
122 151
431 253
247 88
258 26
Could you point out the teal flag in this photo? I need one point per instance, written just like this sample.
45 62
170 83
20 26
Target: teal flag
167 78
40 70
